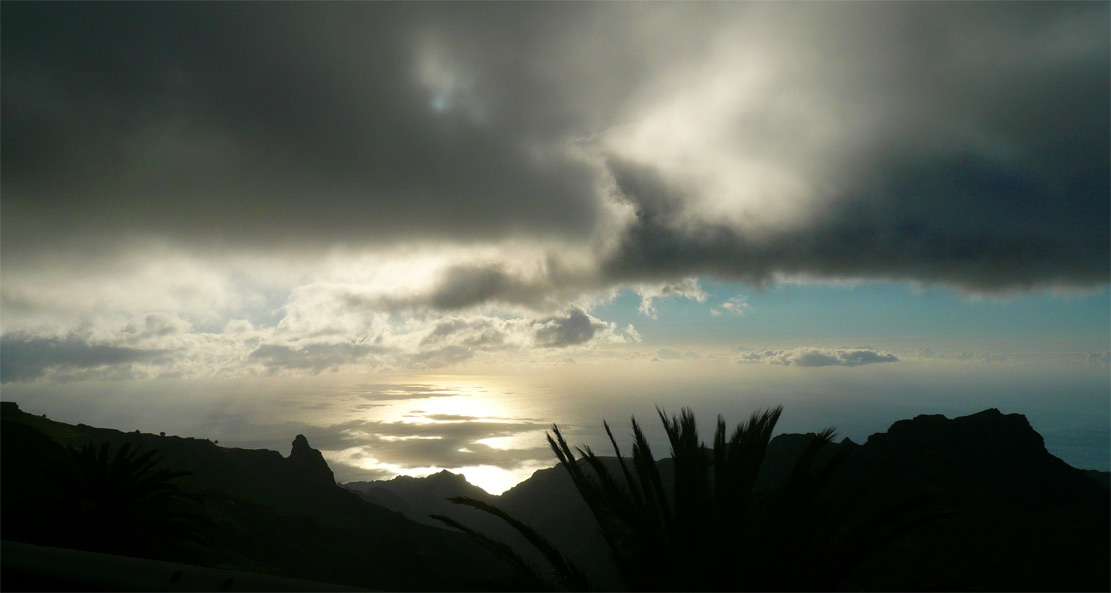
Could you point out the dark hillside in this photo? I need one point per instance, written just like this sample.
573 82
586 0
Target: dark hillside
417 498
268 513
1018 518
1022 519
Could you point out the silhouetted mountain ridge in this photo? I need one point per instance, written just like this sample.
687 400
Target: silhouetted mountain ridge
309 463
271 514
1008 498
1019 518
418 498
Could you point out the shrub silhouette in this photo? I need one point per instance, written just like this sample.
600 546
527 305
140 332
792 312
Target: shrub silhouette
121 503
714 530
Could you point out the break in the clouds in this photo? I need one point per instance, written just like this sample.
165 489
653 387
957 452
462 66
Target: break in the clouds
817 357
314 186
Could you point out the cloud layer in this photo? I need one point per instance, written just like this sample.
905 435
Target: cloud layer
817 357
744 140
321 185
162 346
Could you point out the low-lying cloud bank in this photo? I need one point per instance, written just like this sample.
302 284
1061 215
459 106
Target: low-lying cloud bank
176 350
24 357
817 357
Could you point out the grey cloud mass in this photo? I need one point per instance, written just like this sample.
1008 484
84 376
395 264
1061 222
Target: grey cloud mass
964 144
973 243
293 123
312 357
414 185
574 329
480 333
26 357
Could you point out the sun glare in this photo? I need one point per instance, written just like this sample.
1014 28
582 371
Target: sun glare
496 480
468 415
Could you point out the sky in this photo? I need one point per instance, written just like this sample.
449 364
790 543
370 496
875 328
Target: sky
421 233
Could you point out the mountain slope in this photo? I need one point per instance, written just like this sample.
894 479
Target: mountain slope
1018 517
269 513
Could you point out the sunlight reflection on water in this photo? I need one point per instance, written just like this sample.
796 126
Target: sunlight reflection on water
480 428
500 420
491 426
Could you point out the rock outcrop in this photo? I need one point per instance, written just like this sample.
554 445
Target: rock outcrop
309 464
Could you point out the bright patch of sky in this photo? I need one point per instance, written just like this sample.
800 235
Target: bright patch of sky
874 314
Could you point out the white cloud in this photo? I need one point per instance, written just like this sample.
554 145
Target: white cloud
736 305
817 357
687 288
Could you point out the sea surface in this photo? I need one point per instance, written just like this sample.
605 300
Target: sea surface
491 426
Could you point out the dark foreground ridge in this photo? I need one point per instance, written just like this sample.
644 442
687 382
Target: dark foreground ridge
256 511
1018 518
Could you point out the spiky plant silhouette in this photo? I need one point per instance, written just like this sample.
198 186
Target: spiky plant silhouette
714 529
122 503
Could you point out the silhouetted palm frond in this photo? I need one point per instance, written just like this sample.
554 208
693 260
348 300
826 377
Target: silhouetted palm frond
122 503
715 529
566 574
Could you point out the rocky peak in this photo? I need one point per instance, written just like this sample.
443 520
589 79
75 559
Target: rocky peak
300 446
446 477
309 463
986 432
989 456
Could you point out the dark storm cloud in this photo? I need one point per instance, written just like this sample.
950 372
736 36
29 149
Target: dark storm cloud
962 144
263 123
984 163
467 286
961 221
25 357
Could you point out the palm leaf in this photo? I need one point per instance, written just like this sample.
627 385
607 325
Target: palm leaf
531 577
567 573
